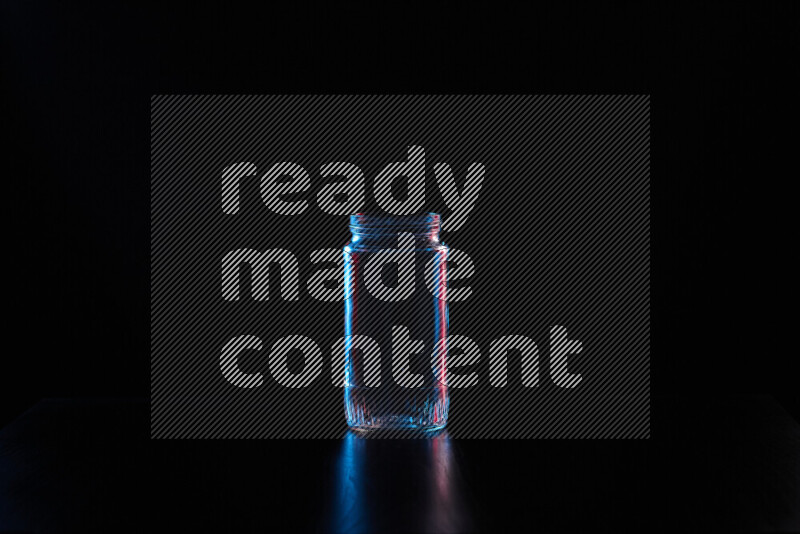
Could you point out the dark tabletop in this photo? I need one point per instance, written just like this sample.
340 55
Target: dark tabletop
89 465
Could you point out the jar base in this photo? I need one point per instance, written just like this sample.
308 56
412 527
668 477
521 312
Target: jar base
415 409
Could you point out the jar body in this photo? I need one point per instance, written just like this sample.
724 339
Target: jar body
396 324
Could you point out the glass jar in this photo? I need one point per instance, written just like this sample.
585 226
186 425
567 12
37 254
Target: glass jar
396 323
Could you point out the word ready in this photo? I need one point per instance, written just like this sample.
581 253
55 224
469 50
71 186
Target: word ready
347 196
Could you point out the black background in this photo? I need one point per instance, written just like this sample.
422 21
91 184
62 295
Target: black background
76 83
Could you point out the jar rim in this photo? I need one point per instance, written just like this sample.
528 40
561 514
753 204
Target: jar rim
366 221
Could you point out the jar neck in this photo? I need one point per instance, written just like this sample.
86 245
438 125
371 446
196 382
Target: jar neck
385 229
393 241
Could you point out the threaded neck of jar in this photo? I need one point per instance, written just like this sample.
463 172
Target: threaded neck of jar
383 223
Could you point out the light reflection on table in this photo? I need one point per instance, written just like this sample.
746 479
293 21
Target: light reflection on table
397 485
